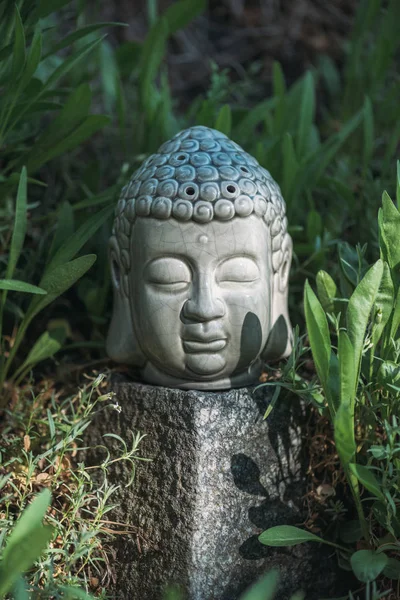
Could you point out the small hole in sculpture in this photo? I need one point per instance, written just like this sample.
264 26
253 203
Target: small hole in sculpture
190 191
116 273
244 169
231 189
181 157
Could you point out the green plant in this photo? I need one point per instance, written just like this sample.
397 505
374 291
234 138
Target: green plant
40 443
359 376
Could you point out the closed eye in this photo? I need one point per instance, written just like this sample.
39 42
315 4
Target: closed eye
238 269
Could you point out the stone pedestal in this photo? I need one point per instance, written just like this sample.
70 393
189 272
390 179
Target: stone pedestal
218 476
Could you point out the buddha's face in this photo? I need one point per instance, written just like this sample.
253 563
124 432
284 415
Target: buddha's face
200 295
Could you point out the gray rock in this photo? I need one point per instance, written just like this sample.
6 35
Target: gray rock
218 476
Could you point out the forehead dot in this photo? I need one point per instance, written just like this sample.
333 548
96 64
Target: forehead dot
203 239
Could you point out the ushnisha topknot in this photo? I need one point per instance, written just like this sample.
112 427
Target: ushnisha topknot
201 175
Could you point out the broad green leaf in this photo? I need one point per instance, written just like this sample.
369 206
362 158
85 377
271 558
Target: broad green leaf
306 114
279 89
18 557
366 477
181 13
14 285
383 304
367 564
333 385
86 129
327 291
223 122
360 307
46 346
287 535
395 318
318 333
72 245
20 224
348 371
20 591
59 279
344 434
264 589
31 517
18 59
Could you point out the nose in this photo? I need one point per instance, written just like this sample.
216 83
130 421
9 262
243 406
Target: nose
203 305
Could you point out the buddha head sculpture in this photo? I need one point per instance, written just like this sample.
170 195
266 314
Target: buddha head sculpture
200 259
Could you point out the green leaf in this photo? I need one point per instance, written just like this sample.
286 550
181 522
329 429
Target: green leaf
306 116
59 279
264 589
360 307
20 591
80 33
395 318
344 434
15 285
33 61
65 227
287 535
181 13
314 225
224 119
383 304
368 480
279 89
348 371
20 224
389 235
392 569
27 541
367 564
290 165
86 129
368 145
327 291
318 333
18 60
46 346
73 244
152 54
389 374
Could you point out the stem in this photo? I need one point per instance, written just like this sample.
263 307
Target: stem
353 483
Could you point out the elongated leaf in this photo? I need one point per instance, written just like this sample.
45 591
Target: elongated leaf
395 318
78 34
264 589
20 591
327 291
65 227
287 535
348 371
33 60
368 480
87 128
279 89
389 235
368 133
46 346
344 433
151 57
72 245
59 279
18 60
383 304
318 333
367 564
290 165
20 224
306 116
360 307
15 285
17 558
224 119
179 14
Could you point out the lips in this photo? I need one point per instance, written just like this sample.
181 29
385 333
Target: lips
199 346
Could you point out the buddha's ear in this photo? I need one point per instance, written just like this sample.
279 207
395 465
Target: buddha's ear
280 339
121 345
